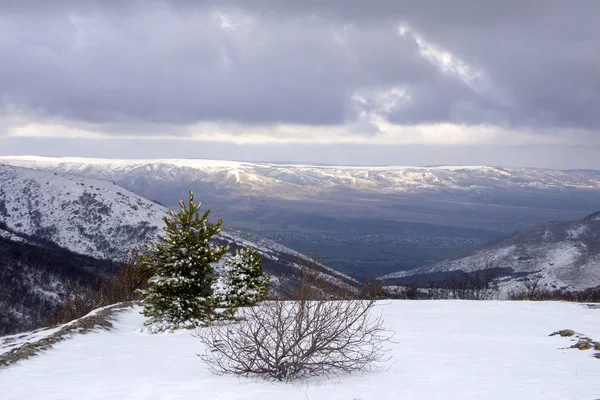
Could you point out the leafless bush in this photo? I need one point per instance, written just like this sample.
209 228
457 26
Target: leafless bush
126 285
409 291
372 289
479 283
434 292
318 333
120 288
82 301
533 286
590 295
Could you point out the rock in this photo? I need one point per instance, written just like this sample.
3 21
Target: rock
563 333
582 345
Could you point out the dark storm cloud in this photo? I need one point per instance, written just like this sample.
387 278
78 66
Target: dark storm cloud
301 61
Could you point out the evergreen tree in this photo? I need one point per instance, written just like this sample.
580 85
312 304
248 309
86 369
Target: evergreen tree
244 282
179 295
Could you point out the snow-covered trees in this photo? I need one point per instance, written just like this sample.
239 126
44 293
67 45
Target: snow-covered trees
244 283
184 291
180 292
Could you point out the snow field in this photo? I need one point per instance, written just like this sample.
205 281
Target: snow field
442 350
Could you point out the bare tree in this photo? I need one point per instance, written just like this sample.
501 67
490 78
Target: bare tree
410 291
483 281
532 287
479 283
122 287
318 333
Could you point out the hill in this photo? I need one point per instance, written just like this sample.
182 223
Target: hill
255 178
87 216
561 254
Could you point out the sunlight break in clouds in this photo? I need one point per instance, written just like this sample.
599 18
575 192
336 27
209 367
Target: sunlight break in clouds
387 134
445 60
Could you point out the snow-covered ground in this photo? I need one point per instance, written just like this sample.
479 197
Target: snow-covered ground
442 350
9 342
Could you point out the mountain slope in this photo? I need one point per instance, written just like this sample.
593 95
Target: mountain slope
565 254
91 216
37 275
99 219
87 216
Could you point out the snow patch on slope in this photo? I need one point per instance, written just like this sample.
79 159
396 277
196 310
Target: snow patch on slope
576 231
11 236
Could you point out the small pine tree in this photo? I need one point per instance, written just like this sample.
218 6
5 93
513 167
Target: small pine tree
244 282
179 294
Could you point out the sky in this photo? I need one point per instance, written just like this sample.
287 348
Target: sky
514 83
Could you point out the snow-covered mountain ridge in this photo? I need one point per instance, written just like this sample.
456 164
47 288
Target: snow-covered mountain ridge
565 254
103 220
265 177
276 197
87 216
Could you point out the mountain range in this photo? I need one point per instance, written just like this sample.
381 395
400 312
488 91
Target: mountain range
366 220
257 178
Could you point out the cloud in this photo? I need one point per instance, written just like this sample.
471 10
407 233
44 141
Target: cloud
337 71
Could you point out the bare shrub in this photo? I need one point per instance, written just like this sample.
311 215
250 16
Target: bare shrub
434 292
479 283
590 295
123 287
533 286
322 331
410 291
126 285
82 301
372 289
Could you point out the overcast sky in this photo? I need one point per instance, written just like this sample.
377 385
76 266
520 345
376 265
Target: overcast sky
512 82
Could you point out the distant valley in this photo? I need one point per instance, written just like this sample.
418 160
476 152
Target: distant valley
364 220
